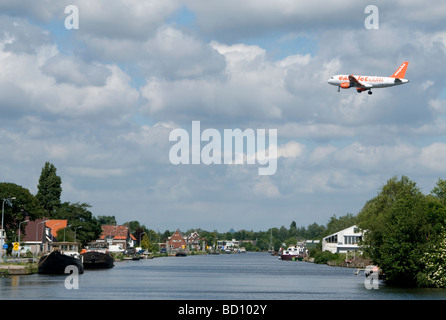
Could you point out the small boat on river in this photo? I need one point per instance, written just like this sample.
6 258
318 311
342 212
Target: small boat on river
63 255
292 253
180 253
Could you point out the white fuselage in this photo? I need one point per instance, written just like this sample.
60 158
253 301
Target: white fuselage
368 81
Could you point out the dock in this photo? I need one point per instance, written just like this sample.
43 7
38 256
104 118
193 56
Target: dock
15 269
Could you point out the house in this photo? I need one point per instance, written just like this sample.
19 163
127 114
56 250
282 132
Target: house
53 227
195 242
116 235
343 241
228 245
176 242
39 234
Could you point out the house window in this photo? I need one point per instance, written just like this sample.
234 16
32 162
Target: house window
352 239
332 239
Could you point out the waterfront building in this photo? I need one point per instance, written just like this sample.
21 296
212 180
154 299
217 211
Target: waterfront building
195 242
228 245
176 242
40 234
116 235
343 240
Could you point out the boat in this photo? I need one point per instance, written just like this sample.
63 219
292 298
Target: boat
291 253
63 254
94 259
372 271
180 254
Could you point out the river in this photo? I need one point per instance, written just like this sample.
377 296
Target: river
248 276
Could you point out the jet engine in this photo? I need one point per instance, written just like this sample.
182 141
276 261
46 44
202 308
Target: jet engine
345 85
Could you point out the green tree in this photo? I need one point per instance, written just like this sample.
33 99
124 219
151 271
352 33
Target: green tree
249 246
315 231
107 220
439 191
293 232
337 224
25 206
49 189
149 241
81 222
434 261
292 241
397 229
283 233
136 229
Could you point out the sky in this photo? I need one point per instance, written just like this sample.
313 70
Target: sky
100 101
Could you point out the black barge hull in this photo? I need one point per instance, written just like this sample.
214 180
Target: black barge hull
97 260
56 263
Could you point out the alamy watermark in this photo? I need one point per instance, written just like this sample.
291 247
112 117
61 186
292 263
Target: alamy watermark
372 21
72 20
72 280
371 280
235 147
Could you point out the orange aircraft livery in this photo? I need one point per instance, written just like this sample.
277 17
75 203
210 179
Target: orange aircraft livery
363 83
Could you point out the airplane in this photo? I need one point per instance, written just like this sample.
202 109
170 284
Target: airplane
363 83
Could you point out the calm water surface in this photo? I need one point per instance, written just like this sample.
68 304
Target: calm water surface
249 276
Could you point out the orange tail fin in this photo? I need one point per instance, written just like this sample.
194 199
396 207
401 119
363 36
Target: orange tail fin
401 71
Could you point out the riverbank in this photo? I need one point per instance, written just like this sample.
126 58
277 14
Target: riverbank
25 266
353 263
17 269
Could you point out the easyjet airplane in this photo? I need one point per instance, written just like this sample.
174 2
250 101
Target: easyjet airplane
363 83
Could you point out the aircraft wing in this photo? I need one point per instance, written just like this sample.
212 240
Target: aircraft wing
355 83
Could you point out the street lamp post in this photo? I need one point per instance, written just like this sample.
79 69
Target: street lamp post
52 237
20 246
19 227
3 234
64 231
75 229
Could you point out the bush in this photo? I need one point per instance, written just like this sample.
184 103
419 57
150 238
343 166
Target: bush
323 257
433 273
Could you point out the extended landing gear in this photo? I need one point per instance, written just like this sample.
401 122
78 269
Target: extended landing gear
359 90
